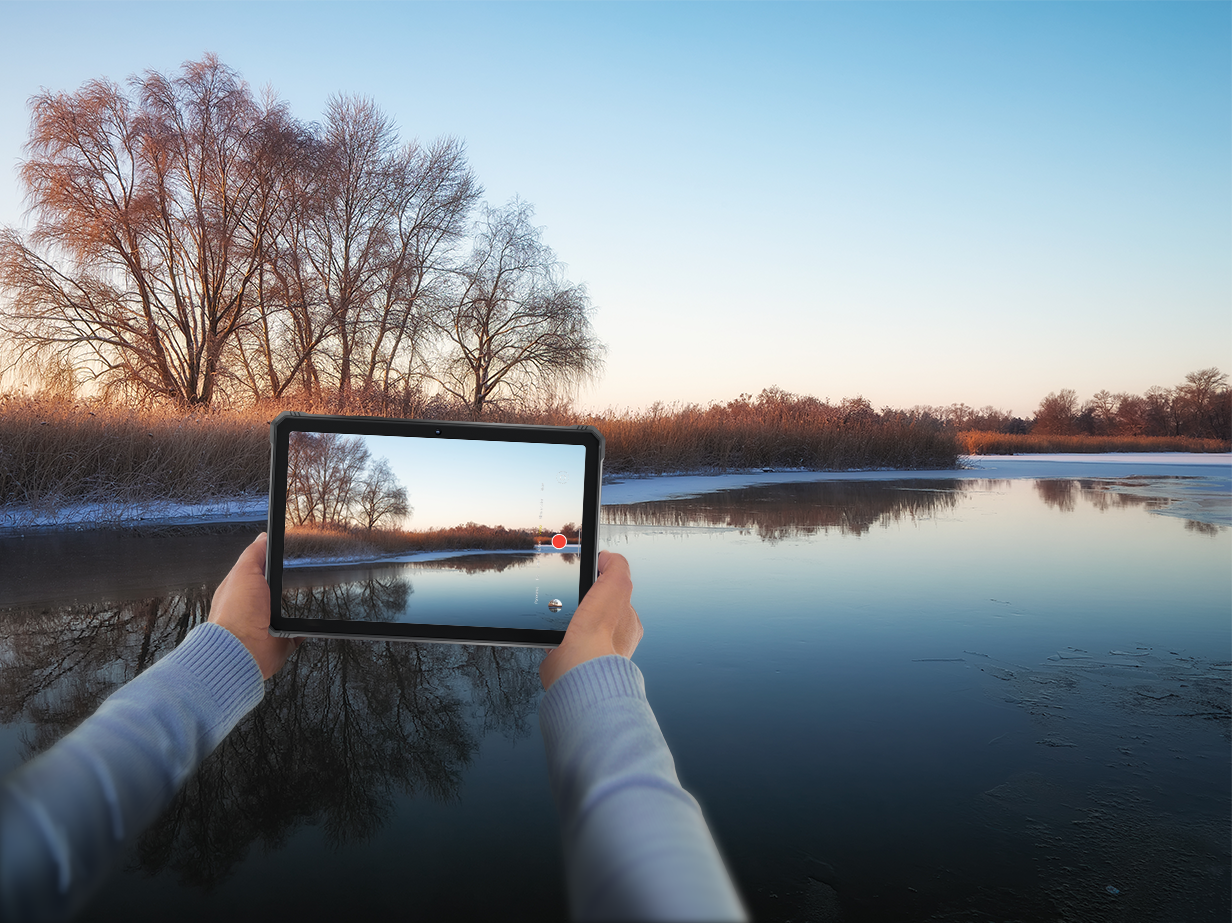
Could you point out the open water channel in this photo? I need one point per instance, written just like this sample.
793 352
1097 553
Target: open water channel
913 699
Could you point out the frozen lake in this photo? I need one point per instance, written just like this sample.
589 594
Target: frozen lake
944 697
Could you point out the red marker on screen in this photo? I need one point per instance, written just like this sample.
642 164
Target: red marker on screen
559 541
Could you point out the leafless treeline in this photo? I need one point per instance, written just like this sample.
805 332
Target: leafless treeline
192 241
1199 407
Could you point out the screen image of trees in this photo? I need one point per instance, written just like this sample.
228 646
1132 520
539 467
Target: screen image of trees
343 502
333 481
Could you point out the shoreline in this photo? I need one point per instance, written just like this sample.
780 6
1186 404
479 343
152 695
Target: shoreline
622 489
416 557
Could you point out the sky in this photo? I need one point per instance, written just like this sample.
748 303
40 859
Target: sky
922 203
517 485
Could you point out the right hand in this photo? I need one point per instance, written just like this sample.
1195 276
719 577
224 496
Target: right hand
605 623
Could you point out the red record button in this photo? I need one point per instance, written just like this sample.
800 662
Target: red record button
559 541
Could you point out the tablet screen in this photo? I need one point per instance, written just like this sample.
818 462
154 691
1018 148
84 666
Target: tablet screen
395 531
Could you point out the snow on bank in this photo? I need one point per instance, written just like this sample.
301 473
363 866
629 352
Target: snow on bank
161 513
977 467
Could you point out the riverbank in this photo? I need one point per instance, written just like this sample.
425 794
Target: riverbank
1216 469
1187 485
61 459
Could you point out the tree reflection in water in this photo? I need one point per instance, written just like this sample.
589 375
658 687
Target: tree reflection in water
783 511
345 728
478 563
1063 494
378 597
383 578
57 665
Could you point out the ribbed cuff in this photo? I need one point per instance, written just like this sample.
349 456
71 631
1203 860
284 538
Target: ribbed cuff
585 686
221 663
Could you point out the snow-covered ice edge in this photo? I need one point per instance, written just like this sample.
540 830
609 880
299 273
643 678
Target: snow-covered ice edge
155 513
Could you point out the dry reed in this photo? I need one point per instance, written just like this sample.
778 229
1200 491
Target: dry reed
55 455
331 541
976 442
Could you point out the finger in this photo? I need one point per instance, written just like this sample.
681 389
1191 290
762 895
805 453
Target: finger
613 567
253 557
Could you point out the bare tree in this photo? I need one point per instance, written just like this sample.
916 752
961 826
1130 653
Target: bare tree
1057 413
324 472
153 215
276 348
380 497
1103 412
515 324
1160 417
1203 401
190 239
378 228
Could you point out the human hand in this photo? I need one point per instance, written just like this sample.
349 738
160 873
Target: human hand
605 622
242 606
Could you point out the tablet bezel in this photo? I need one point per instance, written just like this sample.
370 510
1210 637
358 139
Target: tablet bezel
291 421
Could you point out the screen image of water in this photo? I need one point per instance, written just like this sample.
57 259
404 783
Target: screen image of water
494 589
909 699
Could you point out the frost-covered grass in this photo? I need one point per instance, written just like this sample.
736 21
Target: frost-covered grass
59 458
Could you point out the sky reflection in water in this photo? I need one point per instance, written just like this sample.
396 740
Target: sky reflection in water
850 693
903 700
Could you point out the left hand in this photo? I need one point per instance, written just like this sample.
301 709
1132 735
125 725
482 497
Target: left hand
242 606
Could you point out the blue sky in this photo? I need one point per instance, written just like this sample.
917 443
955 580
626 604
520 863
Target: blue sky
517 485
918 203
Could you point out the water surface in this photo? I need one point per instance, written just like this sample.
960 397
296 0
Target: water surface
534 589
908 700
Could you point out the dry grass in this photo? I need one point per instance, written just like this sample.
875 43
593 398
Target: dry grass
333 542
776 430
56 454
975 442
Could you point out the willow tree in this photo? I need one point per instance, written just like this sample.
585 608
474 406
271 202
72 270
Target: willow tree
376 236
153 214
514 325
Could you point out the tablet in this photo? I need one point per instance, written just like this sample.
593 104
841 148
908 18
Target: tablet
430 530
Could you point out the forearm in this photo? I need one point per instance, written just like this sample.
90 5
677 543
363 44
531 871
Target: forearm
65 815
636 844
